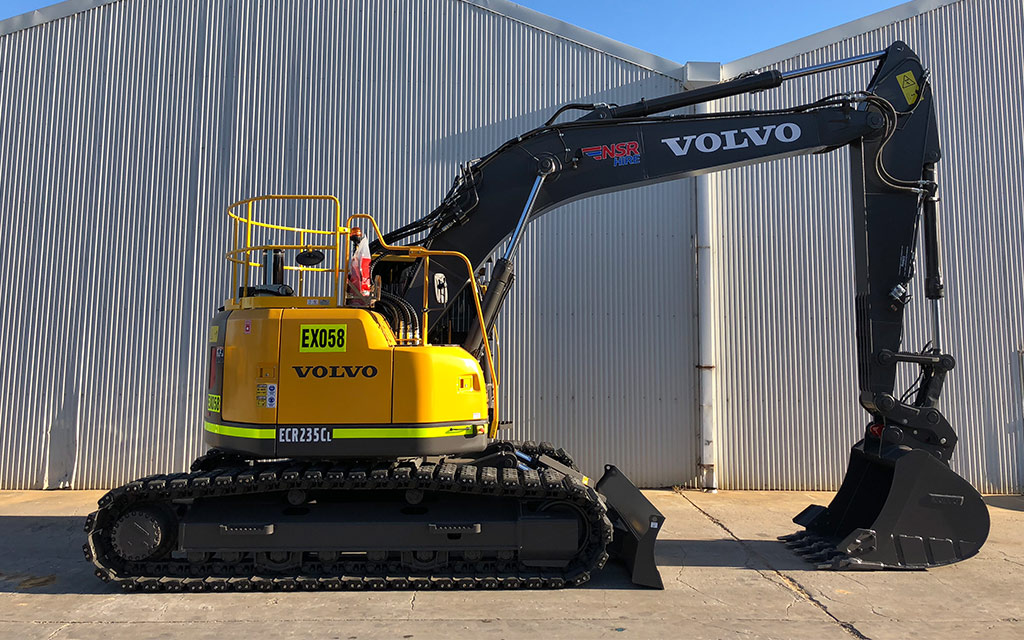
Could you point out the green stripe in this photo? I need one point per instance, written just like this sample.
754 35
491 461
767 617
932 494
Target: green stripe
407 432
348 434
242 432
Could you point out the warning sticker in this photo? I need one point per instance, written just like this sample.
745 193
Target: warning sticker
322 338
214 333
213 403
909 85
266 396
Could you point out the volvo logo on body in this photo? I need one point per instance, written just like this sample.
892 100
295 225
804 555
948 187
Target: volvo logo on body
343 371
734 138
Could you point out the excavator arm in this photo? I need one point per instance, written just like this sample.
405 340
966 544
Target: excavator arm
900 505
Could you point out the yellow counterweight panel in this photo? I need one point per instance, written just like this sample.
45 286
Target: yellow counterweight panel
335 367
250 366
437 384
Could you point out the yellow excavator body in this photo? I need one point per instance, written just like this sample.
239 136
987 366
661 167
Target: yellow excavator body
315 381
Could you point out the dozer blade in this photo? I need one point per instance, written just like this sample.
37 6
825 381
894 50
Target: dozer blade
912 514
637 523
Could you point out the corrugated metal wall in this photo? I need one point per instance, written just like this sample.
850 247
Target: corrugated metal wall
127 128
788 407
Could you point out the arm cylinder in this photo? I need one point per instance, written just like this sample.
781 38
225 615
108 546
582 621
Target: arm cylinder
756 82
934 288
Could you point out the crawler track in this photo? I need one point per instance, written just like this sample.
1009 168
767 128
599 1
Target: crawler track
233 479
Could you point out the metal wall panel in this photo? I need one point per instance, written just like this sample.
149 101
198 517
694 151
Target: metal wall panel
788 411
128 127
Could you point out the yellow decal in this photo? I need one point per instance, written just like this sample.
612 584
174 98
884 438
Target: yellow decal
909 85
213 403
586 481
322 338
214 333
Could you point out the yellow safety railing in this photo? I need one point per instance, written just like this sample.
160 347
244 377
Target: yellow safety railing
425 254
241 256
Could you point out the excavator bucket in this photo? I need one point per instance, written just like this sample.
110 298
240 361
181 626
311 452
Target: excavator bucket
637 523
913 513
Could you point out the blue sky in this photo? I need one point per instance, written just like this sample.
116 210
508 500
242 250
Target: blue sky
708 30
681 30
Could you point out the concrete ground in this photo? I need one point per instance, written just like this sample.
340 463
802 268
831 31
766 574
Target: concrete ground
725 577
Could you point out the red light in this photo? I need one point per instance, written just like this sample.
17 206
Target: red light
213 367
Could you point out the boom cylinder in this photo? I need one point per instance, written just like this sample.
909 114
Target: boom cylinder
501 281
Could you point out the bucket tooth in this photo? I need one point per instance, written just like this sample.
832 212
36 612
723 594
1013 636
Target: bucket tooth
807 543
825 555
792 537
814 549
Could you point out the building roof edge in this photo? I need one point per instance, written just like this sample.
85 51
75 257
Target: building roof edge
48 14
581 36
850 29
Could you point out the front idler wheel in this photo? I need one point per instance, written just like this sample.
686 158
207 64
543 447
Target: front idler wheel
141 534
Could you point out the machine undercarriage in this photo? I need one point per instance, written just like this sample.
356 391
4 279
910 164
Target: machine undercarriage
503 519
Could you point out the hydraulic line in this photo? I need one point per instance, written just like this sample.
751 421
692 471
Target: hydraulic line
392 313
409 314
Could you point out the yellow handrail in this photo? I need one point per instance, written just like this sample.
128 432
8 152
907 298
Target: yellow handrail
422 252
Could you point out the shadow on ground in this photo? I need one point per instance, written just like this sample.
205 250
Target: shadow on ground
44 555
728 552
1013 503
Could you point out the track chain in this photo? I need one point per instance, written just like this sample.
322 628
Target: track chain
248 478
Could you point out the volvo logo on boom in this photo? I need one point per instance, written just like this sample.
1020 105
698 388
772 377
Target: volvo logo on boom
343 371
734 138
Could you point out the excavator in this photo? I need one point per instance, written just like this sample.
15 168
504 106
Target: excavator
353 417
